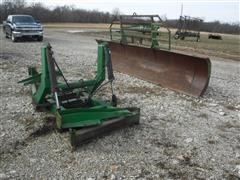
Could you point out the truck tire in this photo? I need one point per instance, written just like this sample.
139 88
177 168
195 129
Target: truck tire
40 38
6 35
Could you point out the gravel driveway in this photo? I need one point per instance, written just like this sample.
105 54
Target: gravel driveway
179 137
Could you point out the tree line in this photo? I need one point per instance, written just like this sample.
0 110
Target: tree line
77 15
57 14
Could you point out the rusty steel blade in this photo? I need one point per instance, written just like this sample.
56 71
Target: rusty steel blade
182 73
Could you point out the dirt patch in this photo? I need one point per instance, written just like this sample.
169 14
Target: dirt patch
229 125
232 108
45 129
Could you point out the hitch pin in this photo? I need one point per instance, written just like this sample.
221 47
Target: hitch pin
56 99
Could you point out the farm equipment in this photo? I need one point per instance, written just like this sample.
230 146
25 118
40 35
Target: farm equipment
72 102
139 48
143 30
188 27
215 36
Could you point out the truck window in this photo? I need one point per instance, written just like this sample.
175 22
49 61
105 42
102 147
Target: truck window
23 19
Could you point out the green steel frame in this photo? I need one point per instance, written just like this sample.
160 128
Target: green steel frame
127 28
72 103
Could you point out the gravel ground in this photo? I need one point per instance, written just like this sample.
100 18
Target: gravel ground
179 137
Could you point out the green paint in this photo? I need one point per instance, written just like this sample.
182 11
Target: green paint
94 113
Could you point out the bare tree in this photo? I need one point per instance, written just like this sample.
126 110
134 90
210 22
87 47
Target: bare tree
116 12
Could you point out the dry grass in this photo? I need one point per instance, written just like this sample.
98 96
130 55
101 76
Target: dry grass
77 25
226 48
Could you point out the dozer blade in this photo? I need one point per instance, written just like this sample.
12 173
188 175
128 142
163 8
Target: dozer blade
182 73
83 135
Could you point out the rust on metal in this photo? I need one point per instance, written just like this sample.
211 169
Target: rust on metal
182 73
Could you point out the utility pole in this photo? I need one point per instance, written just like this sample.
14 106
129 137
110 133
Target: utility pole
181 9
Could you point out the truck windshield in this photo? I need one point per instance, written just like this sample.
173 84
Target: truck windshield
23 19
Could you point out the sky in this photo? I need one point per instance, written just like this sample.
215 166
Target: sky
209 10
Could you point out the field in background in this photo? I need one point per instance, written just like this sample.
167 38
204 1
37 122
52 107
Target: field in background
77 25
226 48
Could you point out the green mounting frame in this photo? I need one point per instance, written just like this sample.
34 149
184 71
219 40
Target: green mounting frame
140 30
72 103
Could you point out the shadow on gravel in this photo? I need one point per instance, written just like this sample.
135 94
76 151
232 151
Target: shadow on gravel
47 128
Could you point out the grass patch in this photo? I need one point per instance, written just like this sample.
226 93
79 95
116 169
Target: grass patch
226 48
77 25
